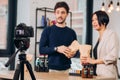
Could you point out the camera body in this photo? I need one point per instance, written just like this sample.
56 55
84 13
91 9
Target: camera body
22 36
23 31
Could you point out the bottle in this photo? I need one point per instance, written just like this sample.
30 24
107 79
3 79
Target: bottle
43 21
42 62
90 71
46 63
84 71
37 63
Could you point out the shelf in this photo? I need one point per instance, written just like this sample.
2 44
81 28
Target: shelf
40 27
45 9
37 42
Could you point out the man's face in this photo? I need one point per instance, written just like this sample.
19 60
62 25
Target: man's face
61 15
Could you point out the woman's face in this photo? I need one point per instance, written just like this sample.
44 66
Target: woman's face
95 23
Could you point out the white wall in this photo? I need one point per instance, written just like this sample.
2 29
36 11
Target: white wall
23 11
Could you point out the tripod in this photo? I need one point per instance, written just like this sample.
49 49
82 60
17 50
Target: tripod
20 67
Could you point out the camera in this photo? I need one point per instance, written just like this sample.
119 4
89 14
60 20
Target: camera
22 31
22 36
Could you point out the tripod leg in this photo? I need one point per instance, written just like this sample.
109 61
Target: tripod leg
28 65
17 72
22 70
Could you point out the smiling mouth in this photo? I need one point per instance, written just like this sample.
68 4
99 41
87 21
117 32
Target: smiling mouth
60 18
95 25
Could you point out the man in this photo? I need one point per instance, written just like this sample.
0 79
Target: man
55 40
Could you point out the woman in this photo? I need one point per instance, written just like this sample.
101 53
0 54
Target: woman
106 50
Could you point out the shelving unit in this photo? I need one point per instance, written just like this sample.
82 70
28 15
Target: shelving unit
46 12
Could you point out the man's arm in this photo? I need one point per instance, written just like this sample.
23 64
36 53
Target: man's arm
44 41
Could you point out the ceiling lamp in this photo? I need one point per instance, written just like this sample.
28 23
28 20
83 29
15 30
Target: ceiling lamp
103 6
111 5
118 6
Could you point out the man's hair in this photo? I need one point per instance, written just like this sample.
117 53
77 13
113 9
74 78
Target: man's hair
62 4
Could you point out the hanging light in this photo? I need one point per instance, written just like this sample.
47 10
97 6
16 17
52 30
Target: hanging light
118 6
109 10
111 5
103 6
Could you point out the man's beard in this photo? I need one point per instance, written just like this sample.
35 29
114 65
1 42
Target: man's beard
61 21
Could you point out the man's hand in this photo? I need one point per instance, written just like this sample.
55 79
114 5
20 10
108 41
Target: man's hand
70 53
66 51
61 49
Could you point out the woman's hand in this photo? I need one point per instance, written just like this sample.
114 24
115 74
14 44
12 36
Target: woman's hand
83 59
91 61
94 61
86 60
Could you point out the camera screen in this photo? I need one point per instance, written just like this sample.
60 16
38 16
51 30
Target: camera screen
19 32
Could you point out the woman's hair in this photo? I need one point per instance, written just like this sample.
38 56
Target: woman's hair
102 16
62 4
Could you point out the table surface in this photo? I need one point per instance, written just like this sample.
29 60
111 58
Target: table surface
49 76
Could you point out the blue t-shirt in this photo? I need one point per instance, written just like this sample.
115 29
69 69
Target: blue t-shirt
52 37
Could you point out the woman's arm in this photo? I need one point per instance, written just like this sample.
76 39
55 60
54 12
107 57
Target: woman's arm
95 61
85 60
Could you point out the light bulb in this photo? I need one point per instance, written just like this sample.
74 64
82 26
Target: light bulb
118 7
103 8
111 5
109 10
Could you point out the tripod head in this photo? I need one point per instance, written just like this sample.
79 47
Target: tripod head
22 43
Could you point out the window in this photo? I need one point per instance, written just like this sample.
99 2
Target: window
8 10
79 18
3 23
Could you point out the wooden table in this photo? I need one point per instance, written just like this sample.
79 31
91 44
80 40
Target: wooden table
8 75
